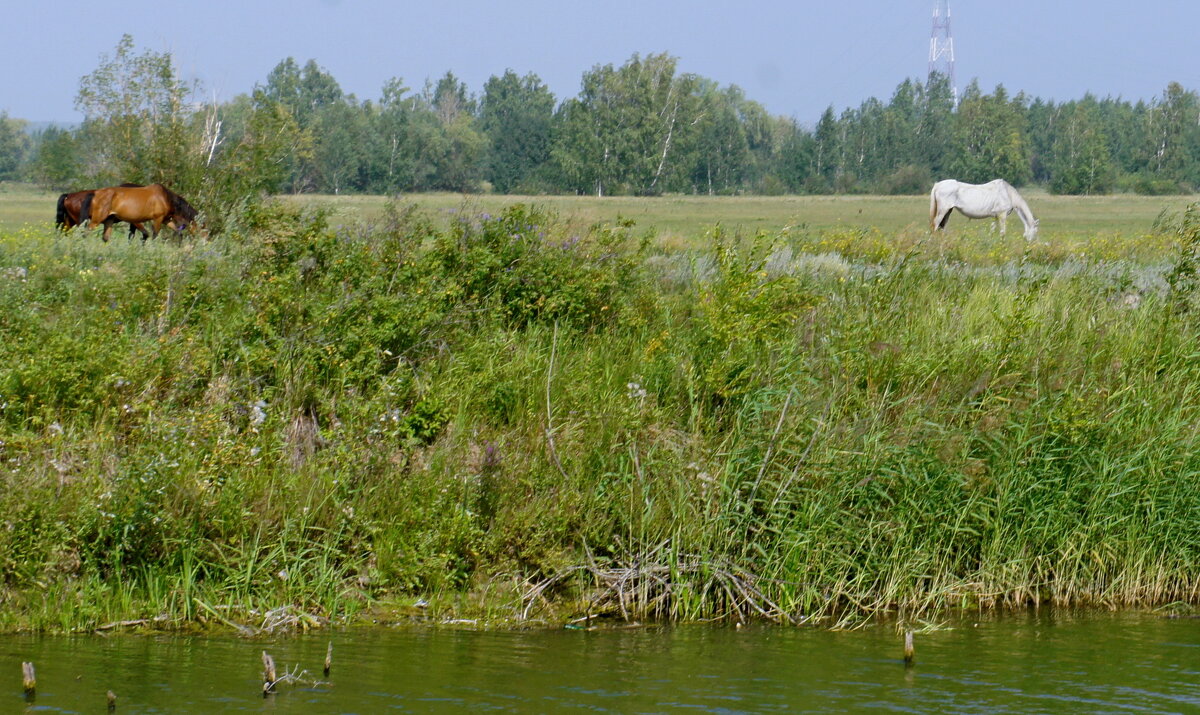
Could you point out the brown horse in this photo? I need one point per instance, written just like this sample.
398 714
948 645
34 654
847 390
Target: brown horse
138 204
69 212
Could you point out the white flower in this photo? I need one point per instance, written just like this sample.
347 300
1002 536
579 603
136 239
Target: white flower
257 414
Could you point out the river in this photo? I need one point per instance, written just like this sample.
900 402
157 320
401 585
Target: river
1019 663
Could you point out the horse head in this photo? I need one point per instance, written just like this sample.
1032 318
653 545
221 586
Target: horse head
1031 230
183 217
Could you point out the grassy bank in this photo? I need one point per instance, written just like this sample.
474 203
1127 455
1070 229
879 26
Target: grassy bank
505 410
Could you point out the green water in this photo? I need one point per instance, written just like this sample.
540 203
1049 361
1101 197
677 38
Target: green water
1089 663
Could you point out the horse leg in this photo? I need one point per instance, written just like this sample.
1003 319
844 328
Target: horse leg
943 218
138 225
108 224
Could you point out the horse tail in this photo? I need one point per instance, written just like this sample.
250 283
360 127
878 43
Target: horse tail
933 208
60 213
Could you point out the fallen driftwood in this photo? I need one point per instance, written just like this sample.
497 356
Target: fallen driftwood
132 623
271 677
648 587
284 618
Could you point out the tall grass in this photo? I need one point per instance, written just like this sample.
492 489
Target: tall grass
806 425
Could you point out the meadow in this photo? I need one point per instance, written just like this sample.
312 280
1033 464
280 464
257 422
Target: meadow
801 409
684 221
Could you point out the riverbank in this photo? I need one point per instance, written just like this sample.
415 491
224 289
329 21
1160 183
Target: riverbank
508 413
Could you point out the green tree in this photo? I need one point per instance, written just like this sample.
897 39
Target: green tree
450 99
796 158
826 149
1081 162
395 131
624 130
721 150
14 147
339 159
138 123
452 143
260 161
1174 135
516 116
935 126
56 164
989 138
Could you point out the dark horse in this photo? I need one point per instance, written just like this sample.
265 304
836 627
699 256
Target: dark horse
69 212
138 204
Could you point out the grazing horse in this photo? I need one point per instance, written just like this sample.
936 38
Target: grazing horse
996 198
69 212
138 204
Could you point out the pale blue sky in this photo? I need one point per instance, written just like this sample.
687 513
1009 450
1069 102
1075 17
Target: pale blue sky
796 58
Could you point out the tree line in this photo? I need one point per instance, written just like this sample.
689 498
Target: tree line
640 128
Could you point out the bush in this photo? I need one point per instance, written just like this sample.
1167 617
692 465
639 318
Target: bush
520 265
1151 185
907 180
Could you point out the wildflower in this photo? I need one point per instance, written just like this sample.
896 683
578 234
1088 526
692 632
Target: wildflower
635 391
257 414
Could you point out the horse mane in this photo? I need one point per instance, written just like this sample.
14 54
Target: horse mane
180 206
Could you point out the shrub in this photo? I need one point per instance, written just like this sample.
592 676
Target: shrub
520 265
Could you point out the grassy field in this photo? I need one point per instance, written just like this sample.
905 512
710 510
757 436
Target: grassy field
684 221
506 413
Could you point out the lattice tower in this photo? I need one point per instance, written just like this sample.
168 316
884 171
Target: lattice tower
941 45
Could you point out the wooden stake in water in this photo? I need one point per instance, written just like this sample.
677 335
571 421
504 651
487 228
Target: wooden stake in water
328 657
908 648
28 679
112 701
268 672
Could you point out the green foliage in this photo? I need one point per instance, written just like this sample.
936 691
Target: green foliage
622 135
907 180
1184 277
990 140
1081 160
847 422
741 311
14 147
635 129
520 266
516 116
137 125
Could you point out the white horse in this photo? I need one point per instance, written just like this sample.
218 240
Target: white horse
995 198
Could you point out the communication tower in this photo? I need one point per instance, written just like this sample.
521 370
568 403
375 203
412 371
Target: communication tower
941 45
